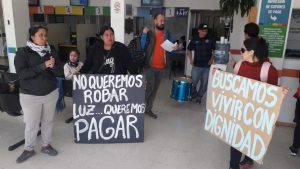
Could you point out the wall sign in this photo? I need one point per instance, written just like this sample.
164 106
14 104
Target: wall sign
182 12
273 22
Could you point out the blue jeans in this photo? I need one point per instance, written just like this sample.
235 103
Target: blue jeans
199 73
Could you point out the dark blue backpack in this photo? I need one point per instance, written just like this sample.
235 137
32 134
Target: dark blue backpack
137 53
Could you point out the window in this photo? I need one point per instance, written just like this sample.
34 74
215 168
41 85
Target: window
152 3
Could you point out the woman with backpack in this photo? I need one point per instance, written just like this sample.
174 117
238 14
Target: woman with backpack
254 65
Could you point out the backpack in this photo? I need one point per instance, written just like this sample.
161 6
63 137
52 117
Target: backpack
263 72
137 53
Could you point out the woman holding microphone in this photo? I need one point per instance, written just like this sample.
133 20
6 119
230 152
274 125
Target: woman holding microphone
37 66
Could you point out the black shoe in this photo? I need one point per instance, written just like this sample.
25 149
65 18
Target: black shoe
294 151
49 150
25 155
193 97
151 114
198 100
231 168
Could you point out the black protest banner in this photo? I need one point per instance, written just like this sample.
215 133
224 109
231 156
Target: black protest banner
108 108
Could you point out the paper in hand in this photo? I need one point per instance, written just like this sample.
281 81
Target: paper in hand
222 67
168 46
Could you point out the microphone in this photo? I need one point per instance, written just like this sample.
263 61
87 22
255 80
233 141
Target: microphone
48 57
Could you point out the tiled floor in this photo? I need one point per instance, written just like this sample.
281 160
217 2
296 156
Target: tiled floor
176 140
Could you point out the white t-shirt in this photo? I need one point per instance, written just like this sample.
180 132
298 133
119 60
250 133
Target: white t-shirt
69 71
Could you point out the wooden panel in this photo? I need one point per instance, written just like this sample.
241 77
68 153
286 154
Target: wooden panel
252 15
106 11
93 10
33 10
90 10
77 10
49 10
290 73
63 10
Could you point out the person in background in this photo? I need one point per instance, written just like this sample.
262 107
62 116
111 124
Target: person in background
73 66
203 58
37 66
294 148
251 30
254 55
156 60
182 43
108 56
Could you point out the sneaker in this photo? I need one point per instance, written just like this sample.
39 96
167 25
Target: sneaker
25 155
193 97
246 160
151 114
49 150
247 165
294 151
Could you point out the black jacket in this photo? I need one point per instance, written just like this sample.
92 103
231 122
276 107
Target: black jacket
203 48
94 62
297 110
34 78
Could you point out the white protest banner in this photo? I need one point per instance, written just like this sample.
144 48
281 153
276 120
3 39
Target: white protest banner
242 112
108 108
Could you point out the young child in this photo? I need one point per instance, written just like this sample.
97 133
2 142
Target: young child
73 66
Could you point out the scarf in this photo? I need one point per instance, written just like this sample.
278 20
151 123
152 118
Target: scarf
41 50
73 64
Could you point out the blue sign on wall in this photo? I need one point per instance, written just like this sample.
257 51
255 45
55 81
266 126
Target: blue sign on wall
275 11
273 23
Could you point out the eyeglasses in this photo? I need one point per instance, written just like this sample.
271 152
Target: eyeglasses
243 50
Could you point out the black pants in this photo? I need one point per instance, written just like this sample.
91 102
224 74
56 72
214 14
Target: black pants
153 80
235 158
296 142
